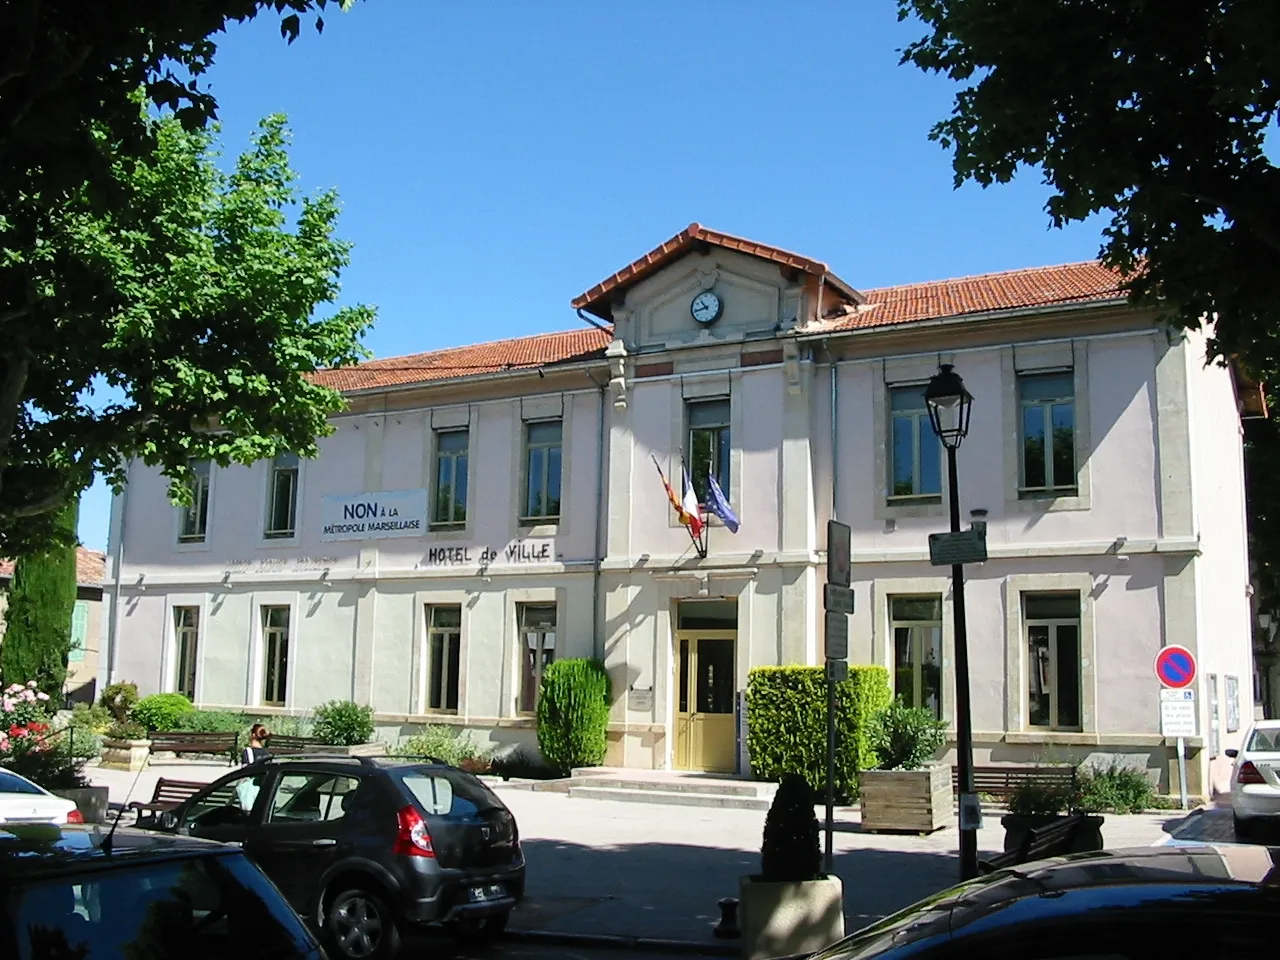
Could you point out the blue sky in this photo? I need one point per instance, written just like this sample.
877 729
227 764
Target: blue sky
495 160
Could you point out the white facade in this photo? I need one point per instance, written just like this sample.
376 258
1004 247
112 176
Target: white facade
1134 539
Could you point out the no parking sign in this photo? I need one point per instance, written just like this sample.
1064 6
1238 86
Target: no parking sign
1176 666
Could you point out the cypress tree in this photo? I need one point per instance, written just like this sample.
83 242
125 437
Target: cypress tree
42 598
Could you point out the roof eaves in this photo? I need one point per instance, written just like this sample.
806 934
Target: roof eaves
512 373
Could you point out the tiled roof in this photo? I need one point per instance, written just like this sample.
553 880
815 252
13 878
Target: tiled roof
91 567
593 301
1035 287
542 350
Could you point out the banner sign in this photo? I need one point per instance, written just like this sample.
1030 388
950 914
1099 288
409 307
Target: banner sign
373 516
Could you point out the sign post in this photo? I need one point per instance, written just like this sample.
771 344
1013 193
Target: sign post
837 599
1176 670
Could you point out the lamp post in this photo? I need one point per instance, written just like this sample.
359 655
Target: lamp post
949 404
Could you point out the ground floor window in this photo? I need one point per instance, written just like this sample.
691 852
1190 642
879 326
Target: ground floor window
916 626
275 642
186 637
537 649
1053 659
444 653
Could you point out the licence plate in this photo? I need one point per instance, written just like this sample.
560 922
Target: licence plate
492 891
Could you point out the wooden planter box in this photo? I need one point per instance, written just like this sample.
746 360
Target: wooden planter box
918 801
128 755
90 801
789 919
1017 825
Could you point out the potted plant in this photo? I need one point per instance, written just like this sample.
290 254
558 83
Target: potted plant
1033 805
909 790
125 746
790 908
344 726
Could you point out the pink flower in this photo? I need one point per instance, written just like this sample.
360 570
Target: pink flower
31 683
42 696
8 706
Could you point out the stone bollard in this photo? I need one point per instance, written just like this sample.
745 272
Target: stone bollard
727 928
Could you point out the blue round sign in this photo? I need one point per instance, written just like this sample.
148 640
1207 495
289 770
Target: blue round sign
1176 666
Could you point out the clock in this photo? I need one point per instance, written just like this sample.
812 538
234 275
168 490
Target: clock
706 307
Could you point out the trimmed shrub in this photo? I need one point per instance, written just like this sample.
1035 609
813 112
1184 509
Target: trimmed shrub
126 730
790 850
906 738
573 713
1118 788
455 747
161 711
1040 799
212 721
92 717
787 724
119 698
343 723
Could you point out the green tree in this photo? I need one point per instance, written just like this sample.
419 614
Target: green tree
42 598
201 313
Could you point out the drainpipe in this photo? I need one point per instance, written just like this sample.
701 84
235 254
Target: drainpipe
114 625
596 614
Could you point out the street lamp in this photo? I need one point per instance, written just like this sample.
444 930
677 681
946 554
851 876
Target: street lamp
949 404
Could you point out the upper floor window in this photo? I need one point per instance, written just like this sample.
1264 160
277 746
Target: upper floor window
195 518
708 446
282 497
915 466
542 445
450 505
1048 434
1053 659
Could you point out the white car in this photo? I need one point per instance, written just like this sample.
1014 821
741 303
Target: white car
21 801
1255 781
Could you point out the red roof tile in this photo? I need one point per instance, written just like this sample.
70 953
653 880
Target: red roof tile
594 300
91 567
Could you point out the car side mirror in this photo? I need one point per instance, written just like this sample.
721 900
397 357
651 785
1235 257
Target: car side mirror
1232 753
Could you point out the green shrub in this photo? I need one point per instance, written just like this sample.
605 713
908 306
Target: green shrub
77 739
1118 788
906 738
161 711
343 723
573 713
126 730
51 769
92 717
455 747
118 699
212 721
790 850
285 726
787 723
1040 799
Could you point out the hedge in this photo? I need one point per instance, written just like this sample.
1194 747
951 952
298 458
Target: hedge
573 713
787 723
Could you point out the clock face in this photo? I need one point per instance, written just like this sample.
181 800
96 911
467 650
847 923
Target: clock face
706 307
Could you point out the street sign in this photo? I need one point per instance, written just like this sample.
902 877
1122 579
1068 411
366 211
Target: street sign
838 670
839 544
837 599
949 549
837 635
1176 667
1178 717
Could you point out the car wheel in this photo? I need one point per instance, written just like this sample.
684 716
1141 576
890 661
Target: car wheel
361 927
482 929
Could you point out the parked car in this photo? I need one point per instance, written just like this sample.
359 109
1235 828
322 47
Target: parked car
1255 780
21 801
1155 902
65 892
363 846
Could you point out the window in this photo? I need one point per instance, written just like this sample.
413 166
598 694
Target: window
186 631
228 804
282 498
444 652
1048 435
195 518
79 631
916 625
451 478
542 441
311 797
708 447
915 463
537 649
1053 659
275 642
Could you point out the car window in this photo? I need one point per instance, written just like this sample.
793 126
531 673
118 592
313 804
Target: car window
12 783
312 797
228 803
1264 741
198 909
449 793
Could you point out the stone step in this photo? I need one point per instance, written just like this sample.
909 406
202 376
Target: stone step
671 797
715 788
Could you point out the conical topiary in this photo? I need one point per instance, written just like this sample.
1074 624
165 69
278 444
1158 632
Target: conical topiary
790 850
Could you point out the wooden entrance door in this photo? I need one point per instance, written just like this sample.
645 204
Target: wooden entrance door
706 691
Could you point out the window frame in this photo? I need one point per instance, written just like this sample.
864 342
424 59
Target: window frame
1055 662
921 426
285 465
531 668
270 672
917 649
199 508
449 637
1050 489
453 457
528 446
185 655
721 443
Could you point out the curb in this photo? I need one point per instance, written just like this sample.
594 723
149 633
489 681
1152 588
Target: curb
609 941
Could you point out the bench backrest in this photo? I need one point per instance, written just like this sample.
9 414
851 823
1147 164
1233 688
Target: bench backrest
1003 780
175 791
279 741
223 741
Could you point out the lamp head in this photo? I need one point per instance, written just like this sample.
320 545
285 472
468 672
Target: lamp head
949 404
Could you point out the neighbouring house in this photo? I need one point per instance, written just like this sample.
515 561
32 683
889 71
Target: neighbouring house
480 511
86 622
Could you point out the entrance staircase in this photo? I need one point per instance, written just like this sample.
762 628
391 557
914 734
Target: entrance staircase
673 788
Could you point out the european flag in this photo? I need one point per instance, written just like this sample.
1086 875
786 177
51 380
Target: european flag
719 505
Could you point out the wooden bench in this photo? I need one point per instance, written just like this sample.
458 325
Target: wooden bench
1001 780
167 795
279 743
218 744
1051 840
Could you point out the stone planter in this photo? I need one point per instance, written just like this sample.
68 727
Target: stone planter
789 919
90 801
1017 825
919 801
356 750
125 754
